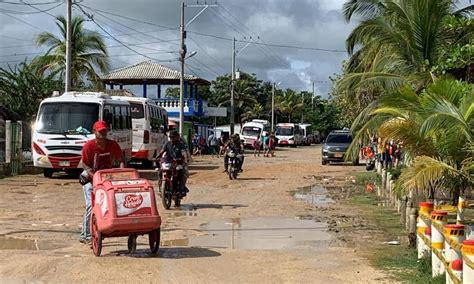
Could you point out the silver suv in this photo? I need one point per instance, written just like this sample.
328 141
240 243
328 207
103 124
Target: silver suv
335 146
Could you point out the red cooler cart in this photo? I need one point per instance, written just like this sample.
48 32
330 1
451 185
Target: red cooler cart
123 204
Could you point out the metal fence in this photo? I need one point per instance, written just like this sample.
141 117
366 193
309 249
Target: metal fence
15 146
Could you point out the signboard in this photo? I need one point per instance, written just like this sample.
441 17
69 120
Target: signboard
215 111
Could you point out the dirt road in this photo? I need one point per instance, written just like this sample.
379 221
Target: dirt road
250 230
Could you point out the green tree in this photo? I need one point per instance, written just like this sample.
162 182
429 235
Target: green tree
288 103
400 42
88 53
256 112
22 89
436 128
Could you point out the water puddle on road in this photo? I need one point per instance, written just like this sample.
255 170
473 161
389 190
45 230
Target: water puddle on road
264 233
315 194
7 243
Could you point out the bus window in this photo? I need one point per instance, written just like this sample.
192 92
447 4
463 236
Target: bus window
123 117
137 110
117 117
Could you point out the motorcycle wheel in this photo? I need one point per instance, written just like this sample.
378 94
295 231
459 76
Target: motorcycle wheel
230 173
154 240
96 237
165 195
234 174
132 243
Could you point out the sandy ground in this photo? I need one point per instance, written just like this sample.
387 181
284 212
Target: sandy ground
196 244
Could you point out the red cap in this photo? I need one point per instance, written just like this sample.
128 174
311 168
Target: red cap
426 204
99 125
454 226
428 231
457 265
468 242
439 213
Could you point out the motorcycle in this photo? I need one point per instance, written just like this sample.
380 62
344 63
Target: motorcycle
169 182
233 167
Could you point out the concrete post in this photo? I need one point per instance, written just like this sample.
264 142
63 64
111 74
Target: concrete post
424 221
8 141
438 220
453 234
460 210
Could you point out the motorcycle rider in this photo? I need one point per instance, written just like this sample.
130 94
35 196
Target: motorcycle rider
176 149
236 144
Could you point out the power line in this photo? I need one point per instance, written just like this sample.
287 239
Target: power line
132 19
23 4
121 24
271 53
205 66
10 37
205 52
29 13
117 40
15 46
24 22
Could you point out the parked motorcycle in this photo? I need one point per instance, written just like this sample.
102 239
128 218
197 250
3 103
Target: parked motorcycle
169 182
233 168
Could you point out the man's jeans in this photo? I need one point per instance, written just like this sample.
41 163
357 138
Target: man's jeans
86 234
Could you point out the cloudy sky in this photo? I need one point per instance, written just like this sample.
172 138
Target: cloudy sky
312 24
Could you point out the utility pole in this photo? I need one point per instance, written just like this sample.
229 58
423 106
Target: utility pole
273 107
302 107
232 81
182 54
67 86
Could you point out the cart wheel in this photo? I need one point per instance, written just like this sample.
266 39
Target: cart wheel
166 195
96 237
132 243
154 240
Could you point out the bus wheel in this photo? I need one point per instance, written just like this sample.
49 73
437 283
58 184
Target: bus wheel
48 173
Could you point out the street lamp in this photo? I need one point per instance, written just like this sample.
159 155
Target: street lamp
273 104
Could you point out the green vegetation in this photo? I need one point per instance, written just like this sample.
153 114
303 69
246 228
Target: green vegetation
409 76
88 53
22 89
399 261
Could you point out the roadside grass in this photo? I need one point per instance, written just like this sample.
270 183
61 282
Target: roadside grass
399 261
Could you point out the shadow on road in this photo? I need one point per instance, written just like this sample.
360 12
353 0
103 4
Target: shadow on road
168 252
256 178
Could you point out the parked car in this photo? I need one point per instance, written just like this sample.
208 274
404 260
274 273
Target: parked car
335 147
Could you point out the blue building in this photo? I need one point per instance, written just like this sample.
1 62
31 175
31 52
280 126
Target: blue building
150 73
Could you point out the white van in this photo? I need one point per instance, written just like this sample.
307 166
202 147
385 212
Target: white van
251 130
149 125
64 124
288 134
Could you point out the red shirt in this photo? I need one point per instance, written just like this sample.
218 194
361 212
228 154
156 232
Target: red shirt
97 159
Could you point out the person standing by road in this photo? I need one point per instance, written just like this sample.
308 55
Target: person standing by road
213 143
97 154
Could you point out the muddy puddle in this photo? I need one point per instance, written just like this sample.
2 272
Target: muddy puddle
316 195
7 243
264 233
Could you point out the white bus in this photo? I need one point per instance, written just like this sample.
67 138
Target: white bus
64 124
149 124
251 130
288 134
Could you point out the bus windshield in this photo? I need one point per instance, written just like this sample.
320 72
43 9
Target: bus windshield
251 131
67 118
284 131
137 110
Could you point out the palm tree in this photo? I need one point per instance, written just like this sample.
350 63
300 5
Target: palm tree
434 127
400 41
244 96
88 54
257 111
288 102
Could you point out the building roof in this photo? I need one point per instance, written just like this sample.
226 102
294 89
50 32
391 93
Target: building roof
149 72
